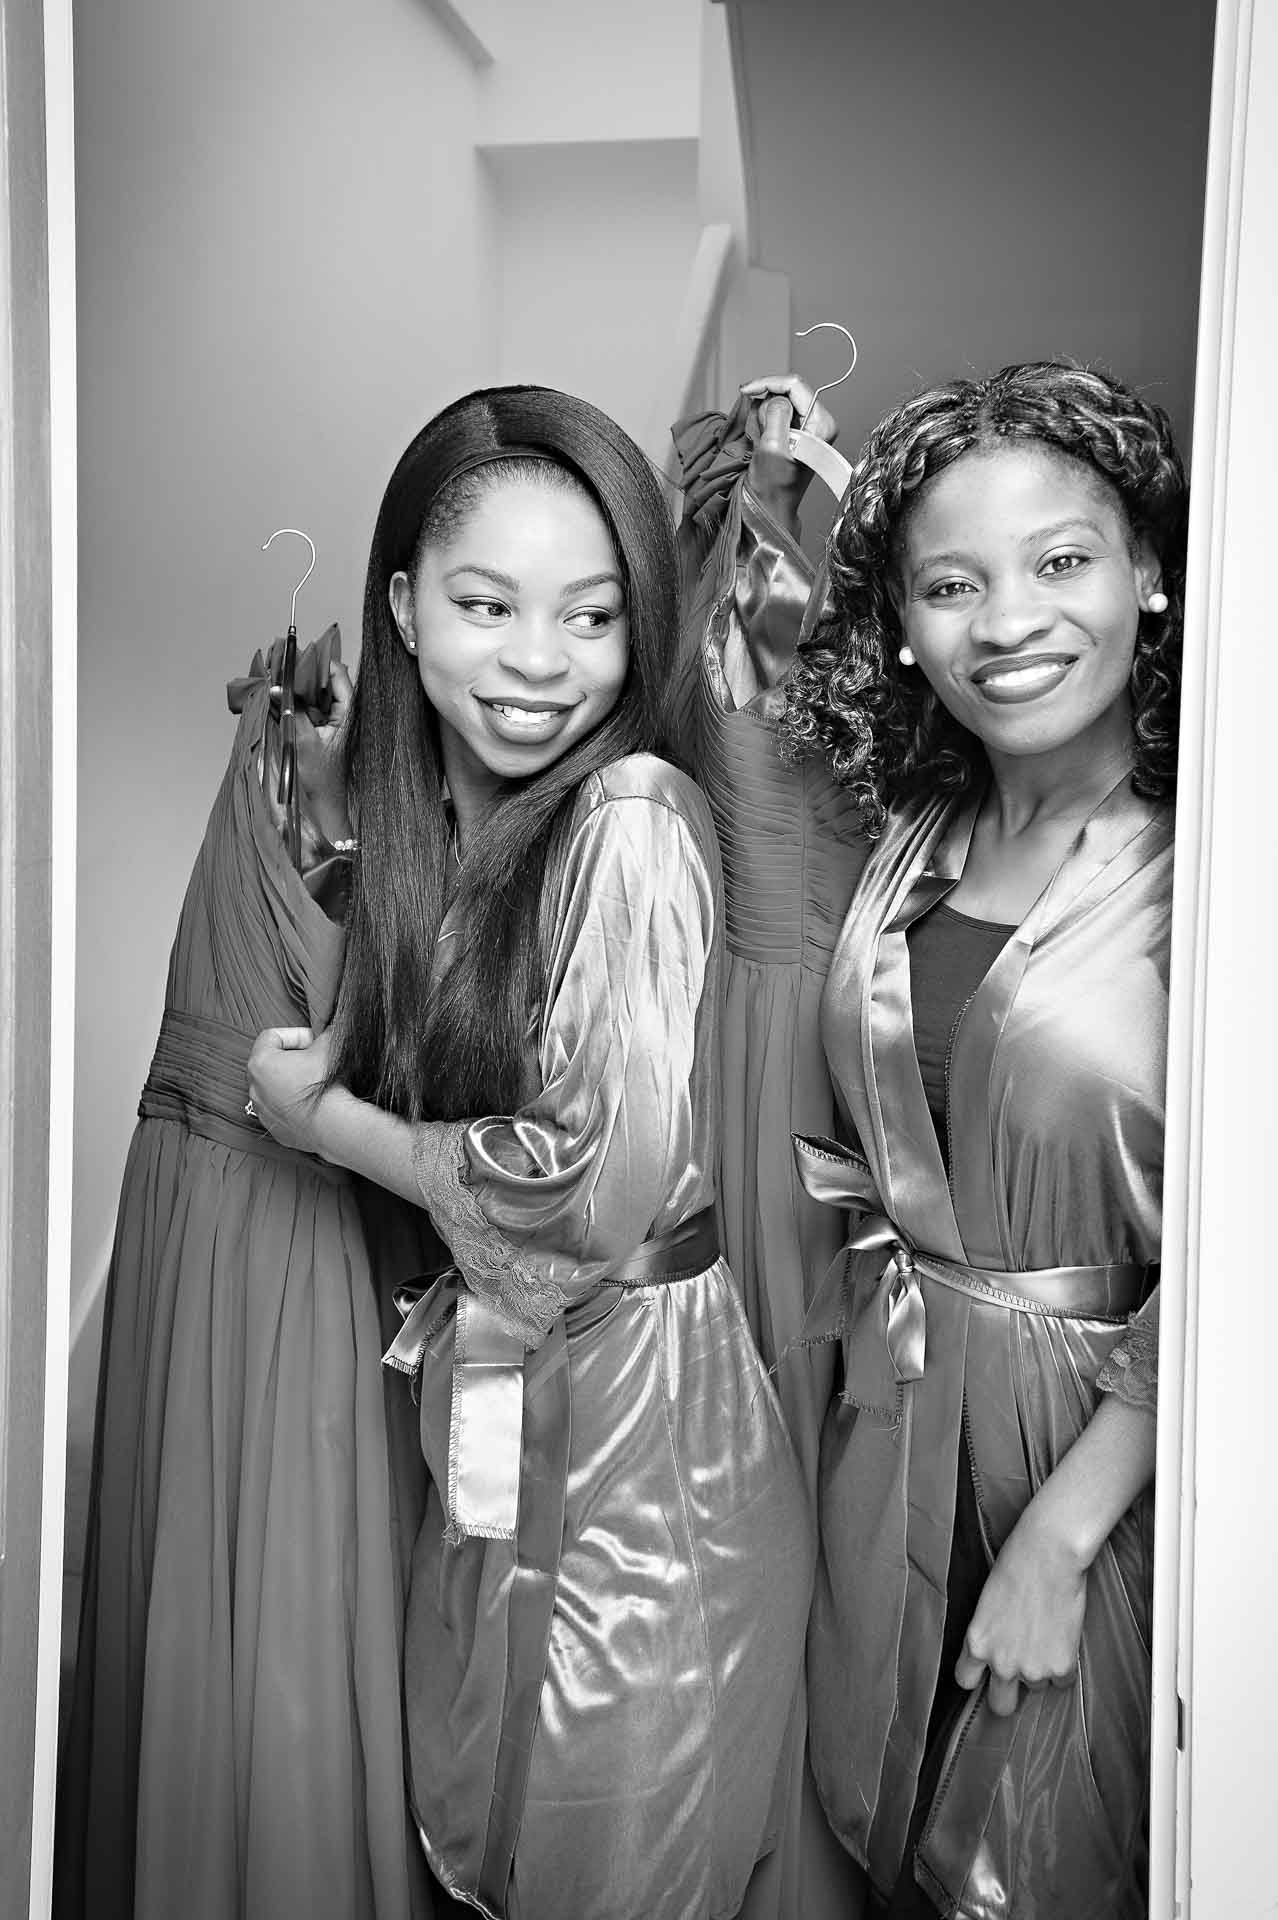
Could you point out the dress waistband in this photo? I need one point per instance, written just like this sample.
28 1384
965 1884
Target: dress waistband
199 1076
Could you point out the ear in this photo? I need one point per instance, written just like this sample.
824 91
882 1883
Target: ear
1148 570
400 595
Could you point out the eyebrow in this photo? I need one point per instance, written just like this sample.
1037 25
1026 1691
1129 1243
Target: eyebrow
1031 540
510 585
485 573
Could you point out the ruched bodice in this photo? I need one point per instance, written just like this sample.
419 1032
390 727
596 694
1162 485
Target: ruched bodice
253 948
788 837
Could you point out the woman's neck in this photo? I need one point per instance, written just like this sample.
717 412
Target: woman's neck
472 793
1030 792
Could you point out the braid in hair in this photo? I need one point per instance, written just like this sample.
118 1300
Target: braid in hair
885 733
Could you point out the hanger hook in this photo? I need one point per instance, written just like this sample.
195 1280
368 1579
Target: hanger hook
802 334
292 612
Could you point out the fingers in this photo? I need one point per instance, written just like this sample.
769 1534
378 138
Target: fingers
341 686
804 407
293 1037
776 416
968 1670
286 1038
1003 1696
791 386
1004 1691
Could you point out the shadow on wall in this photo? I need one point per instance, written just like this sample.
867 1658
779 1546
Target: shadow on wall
963 188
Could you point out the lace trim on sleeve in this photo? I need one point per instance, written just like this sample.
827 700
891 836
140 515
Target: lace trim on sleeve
1131 1371
489 1263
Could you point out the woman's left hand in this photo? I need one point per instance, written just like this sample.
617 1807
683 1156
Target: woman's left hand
286 1073
1029 1619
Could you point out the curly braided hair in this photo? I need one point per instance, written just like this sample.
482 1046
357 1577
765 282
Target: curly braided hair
884 732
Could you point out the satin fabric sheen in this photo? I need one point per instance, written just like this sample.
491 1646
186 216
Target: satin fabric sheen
234 1749
1056 1100
792 850
646 1624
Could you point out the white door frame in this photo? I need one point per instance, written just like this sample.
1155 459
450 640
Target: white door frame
1215 1791
1215 1779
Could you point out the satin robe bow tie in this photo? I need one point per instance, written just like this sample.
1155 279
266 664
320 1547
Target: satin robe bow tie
877 1309
881 1312
898 1296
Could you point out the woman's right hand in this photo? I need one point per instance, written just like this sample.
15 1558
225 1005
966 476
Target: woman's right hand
776 480
321 774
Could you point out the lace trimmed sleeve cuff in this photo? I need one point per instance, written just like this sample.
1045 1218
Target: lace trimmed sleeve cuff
489 1263
1131 1371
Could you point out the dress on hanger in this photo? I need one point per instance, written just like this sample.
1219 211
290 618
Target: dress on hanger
234 1748
792 852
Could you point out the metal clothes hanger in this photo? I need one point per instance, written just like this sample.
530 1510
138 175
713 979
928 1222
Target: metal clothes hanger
287 793
824 460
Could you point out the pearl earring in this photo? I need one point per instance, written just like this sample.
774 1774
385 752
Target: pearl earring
1157 603
906 656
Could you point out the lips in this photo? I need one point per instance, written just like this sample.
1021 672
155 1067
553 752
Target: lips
1025 677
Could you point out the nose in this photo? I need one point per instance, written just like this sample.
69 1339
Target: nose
1008 613
533 649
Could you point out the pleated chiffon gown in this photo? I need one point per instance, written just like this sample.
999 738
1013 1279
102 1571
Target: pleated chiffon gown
234 1750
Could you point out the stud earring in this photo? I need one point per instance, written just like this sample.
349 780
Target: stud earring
906 656
1157 603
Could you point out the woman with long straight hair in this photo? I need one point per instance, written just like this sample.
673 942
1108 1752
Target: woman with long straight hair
609 1588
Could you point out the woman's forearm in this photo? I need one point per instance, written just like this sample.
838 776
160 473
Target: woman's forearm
379 1146
1112 1461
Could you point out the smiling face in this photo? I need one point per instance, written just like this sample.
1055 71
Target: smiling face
1020 589
518 624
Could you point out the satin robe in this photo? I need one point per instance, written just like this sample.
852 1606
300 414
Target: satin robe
1056 1090
609 1592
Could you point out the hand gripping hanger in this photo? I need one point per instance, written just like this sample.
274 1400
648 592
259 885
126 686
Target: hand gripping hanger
287 793
823 459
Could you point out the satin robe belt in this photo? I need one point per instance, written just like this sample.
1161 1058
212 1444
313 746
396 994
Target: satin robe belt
199 1076
509 1440
492 1372
889 1302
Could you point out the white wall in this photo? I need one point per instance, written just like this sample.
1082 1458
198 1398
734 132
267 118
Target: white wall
587 69
596 245
284 257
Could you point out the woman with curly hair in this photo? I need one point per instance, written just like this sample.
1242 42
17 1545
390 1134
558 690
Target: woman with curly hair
995 682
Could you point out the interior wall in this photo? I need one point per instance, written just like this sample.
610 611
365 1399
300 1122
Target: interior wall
302 229
596 244
285 266
967 187
586 70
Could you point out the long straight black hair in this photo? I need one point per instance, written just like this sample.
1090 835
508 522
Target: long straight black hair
451 1042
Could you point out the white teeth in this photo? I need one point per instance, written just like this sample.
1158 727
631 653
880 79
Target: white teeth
1019 676
524 716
